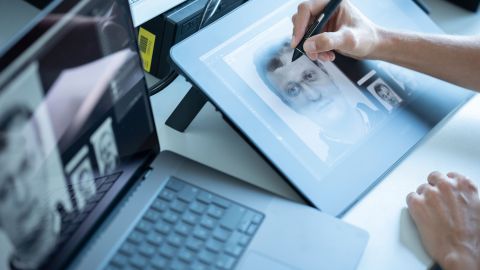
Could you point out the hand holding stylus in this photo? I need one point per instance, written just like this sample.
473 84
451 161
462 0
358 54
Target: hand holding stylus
347 32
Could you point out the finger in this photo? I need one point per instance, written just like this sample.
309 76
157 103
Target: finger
302 20
421 189
463 182
414 203
328 41
312 56
435 177
326 56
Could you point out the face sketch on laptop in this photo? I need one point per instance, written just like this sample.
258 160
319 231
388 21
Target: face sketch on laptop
29 193
82 177
106 152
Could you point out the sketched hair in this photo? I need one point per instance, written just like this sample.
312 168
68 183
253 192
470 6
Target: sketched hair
8 119
267 60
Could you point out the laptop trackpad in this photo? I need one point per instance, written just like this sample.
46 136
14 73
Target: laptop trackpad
254 260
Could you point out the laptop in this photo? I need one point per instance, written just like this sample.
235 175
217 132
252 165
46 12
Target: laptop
84 183
334 130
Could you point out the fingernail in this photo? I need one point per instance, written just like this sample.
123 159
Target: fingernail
309 46
332 57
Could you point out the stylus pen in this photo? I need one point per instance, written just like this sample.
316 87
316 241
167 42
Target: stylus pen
422 5
317 26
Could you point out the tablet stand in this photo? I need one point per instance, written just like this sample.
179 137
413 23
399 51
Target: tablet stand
187 109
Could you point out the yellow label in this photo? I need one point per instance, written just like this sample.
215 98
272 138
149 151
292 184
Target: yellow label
146 43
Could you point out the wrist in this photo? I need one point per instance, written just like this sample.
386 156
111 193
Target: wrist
383 43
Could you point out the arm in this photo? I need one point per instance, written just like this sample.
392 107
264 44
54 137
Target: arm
349 32
450 58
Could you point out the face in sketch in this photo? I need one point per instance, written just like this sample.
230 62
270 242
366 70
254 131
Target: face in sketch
107 152
24 203
85 183
385 93
309 89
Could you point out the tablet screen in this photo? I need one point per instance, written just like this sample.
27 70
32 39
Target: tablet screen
332 128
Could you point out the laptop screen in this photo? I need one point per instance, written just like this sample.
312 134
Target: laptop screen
75 129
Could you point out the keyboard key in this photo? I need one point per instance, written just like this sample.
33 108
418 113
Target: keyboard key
194 244
245 222
159 262
162 227
168 251
119 260
190 218
221 234
200 233
252 229
205 197
214 245
167 195
198 207
152 215
178 206
221 202
175 184
160 205
207 256
198 266
238 238
233 249
138 261
186 255
175 240
225 262
208 222
170 217
215 211
183 229
177 265
154 238
232 217
136 237
146 250
144 226
128 249
244 240
188 194
257 218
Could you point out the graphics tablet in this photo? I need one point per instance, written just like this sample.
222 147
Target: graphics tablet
333 130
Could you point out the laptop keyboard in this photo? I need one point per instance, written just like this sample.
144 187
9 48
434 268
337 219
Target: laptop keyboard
187 227
72 221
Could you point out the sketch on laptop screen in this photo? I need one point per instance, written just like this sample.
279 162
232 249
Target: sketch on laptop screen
32 186
325 108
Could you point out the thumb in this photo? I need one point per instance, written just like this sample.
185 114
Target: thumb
328 41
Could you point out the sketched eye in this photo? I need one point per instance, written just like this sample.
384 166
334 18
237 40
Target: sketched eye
293 89
309 75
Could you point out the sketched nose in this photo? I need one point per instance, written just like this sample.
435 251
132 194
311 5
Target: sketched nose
312 94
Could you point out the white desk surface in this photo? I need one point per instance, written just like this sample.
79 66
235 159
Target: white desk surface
394 244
